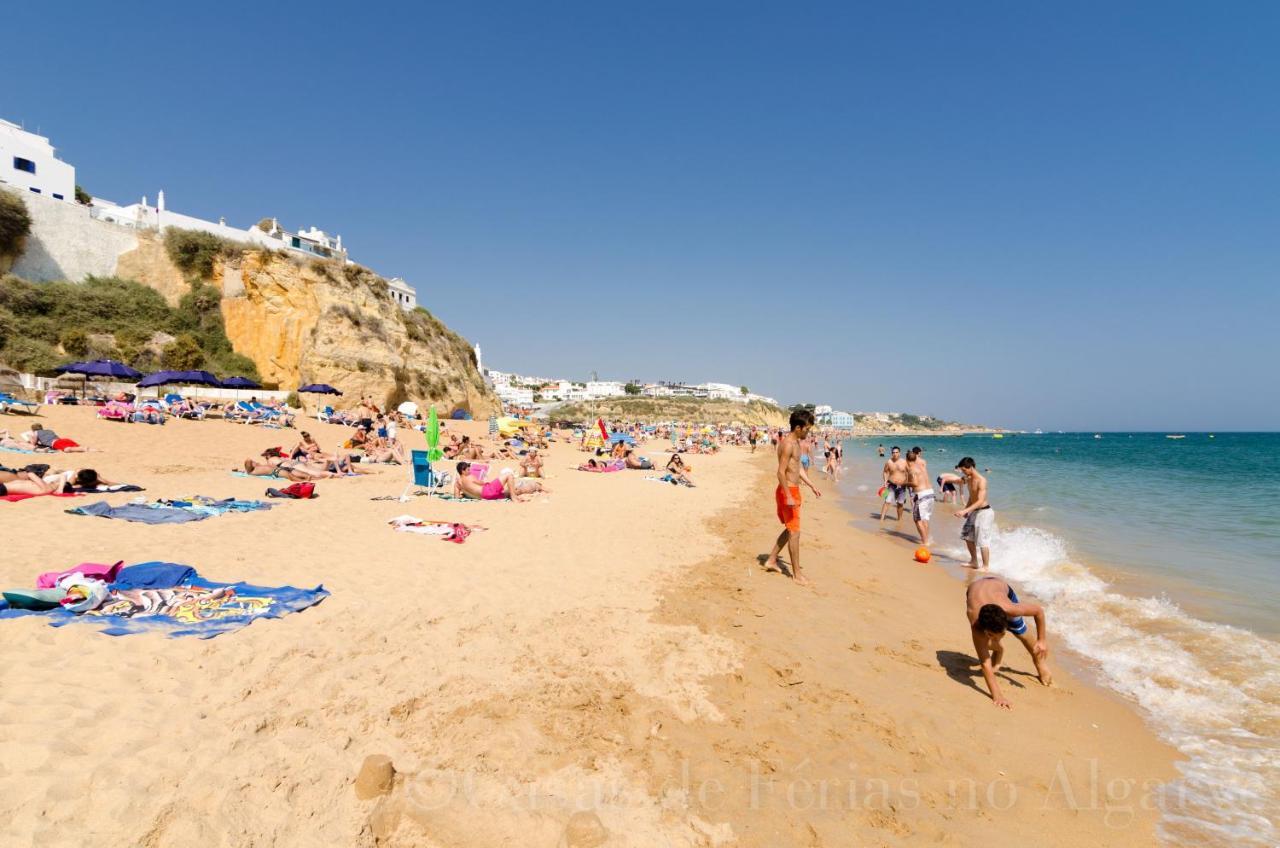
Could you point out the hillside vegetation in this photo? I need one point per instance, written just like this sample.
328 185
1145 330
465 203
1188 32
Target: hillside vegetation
650 409
15 224
43 325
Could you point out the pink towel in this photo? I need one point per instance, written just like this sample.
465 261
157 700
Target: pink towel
105 573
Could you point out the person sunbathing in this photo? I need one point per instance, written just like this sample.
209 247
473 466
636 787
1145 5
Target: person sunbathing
74 481
382 450
308 449
24 483
640 463
531 464
8 441
42 439
289 469
504 486
679 471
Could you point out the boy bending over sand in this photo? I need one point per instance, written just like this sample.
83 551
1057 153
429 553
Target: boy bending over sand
994 609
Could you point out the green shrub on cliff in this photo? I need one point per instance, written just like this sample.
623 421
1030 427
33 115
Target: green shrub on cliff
35 318
15 223
194 251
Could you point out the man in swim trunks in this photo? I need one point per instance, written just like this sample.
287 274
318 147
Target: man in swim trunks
922 497
993 610
787 496
894 475
979 517
504 486
950 485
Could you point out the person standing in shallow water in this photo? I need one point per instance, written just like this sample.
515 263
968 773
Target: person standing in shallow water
979 517
791 474
922 496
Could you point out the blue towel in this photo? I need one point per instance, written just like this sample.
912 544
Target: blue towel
153 575
139 512
194 607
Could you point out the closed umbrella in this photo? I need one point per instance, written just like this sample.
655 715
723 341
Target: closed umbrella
433 437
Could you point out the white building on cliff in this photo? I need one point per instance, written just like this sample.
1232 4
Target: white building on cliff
29 162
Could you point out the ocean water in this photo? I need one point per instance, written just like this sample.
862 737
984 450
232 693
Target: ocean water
1158 561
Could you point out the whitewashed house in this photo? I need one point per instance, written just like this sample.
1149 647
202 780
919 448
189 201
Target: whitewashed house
29 162
407 297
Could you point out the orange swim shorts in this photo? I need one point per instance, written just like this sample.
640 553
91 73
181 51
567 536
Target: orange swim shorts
789 515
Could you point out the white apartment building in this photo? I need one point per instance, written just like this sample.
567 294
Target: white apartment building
28 161
604 389
514 395
841 420
407 297
722 391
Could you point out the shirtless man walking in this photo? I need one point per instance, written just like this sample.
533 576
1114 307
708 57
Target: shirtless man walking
922 497
790 475
979 517
895 482
993 609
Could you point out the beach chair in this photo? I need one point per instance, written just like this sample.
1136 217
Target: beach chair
8 401
323 415
424 476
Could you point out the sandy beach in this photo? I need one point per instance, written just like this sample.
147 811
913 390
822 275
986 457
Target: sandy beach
604 665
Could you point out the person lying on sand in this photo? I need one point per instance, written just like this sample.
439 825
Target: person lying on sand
24 483
531 464
993 610
43 439
640 463
272 465
73 480
505 485
8 441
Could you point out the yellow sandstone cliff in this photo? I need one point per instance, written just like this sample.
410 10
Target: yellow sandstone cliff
313 321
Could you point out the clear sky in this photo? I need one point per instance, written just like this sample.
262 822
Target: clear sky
1029 214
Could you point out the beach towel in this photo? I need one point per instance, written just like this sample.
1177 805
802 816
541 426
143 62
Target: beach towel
448 531
20 497
170 511
192 606
15 450
140 513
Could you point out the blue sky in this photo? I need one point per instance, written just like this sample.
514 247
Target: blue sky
1065 216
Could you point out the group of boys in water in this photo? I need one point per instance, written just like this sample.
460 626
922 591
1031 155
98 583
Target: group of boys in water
991 605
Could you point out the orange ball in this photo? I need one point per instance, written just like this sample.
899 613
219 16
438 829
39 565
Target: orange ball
923 555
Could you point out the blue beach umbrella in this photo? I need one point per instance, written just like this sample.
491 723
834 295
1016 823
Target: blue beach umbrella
100 368
319 389
240 383
165 378
108 368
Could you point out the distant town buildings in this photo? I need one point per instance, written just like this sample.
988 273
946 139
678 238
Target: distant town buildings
29 162
834 418
524 390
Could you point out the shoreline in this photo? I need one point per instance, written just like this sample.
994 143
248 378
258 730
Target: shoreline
1075 730
895 741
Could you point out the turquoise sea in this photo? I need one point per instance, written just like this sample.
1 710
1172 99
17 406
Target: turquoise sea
1159 562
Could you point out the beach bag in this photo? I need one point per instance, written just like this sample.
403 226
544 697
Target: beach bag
296 491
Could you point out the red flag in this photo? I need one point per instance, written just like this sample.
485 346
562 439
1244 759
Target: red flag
604 434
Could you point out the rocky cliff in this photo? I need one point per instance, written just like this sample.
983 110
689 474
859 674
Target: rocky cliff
312 321
323 322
